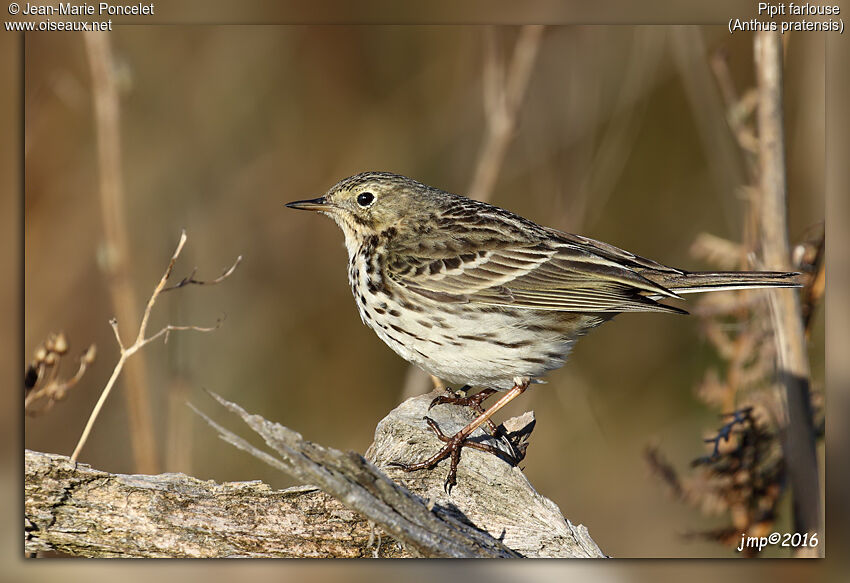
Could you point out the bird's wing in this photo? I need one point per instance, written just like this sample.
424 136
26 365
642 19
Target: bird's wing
613 253
555 274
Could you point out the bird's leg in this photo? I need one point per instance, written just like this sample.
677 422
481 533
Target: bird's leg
474 403
471 401
459 440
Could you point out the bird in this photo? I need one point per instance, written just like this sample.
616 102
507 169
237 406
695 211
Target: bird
477 295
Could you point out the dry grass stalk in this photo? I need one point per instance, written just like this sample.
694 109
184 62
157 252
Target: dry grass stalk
116 245
505 84
786 312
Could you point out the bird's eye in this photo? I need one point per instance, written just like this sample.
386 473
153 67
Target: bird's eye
364 199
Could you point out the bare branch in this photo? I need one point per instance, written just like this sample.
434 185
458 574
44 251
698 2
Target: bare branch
172 328
190 279
159 287
141 341
113 323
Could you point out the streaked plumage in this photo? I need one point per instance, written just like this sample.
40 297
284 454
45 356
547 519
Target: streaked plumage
477 295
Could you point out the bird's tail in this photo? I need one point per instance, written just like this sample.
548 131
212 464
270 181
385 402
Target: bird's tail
705 281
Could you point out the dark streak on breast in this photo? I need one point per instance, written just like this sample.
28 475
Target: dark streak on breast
401 330
518 344
408 305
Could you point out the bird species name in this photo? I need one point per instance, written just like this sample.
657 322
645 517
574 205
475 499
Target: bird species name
784 10
793 9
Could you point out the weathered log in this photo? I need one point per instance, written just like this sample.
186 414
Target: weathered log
358 506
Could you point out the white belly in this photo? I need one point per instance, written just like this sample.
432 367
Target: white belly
481 349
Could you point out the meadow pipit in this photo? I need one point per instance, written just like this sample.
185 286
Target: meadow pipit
477 295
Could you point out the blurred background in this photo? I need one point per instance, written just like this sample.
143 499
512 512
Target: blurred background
620 135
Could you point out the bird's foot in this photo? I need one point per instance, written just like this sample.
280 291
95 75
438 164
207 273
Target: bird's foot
473 401
452 449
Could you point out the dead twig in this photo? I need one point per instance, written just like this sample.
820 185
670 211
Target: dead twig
142 340
190 279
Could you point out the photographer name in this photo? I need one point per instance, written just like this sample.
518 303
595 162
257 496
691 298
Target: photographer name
101 9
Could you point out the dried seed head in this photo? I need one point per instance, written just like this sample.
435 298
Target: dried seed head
50 359
40 354
90 355
50 342
60 344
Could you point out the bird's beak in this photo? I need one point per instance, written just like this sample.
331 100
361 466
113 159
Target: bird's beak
313 204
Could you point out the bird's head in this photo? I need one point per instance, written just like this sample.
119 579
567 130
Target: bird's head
370 203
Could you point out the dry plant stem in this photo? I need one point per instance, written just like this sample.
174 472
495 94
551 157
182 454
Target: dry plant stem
503 94
190 279
799 437
726 167
116 240
141 341
50 387
738 110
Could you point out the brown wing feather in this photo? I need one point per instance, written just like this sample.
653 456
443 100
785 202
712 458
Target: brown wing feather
492 256
563 276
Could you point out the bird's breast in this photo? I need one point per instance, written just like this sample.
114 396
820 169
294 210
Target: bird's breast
461 343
